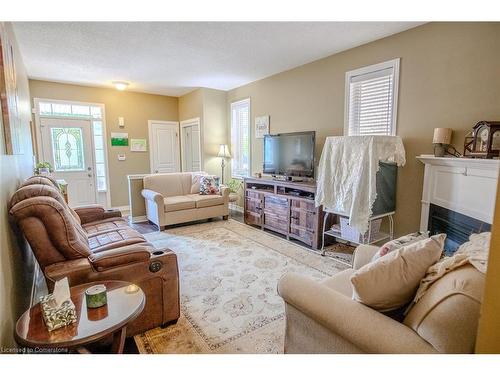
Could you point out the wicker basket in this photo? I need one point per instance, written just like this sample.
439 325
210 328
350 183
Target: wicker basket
351 234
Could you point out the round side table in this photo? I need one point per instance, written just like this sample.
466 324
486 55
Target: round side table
125 302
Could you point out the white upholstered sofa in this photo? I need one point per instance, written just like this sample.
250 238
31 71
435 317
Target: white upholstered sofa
323 318
173 198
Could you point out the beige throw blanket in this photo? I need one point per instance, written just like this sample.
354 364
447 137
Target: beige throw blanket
475 252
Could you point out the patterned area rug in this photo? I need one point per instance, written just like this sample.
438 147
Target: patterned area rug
228 276
341 252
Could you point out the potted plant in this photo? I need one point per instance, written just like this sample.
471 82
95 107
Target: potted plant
43 168
234 185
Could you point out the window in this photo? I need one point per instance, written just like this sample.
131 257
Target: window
240 138
65 162
371 99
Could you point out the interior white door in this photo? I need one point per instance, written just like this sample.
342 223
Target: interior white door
67 145
190 145
164 146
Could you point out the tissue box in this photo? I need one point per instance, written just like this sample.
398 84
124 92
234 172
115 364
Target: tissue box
57 317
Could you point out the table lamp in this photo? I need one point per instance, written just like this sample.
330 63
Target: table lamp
223 154
441 141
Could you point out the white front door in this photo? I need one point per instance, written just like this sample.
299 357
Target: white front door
164 146
67 145
190 145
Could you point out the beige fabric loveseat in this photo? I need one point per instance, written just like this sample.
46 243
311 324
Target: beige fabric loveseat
173 198
323 318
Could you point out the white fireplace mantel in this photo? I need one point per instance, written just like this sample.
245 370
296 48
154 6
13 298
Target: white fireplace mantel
463 185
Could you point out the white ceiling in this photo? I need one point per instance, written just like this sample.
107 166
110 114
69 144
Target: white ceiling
172 58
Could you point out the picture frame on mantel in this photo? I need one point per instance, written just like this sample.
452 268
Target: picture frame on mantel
9 98
261 126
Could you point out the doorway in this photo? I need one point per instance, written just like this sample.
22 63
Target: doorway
164 146
191 145
67 144
72 138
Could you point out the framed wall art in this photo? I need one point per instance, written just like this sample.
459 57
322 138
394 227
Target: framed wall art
261 126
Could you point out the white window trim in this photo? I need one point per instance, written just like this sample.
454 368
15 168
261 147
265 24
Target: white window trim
38 133
394 63
237 102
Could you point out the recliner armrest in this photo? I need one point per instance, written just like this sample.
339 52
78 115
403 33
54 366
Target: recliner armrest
92 213
120 256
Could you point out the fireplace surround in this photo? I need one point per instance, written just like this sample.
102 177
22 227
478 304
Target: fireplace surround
458 197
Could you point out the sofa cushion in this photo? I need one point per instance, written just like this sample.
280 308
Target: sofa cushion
105 225
207 200
178 203
114 238
392 280
167 184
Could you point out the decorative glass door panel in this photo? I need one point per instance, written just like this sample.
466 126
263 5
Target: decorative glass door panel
68 145
67 148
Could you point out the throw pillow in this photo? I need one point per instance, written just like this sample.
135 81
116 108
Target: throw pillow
399 243
392 280
209 185
195 181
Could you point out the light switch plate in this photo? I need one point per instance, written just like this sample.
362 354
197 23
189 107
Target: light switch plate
121 122
121 157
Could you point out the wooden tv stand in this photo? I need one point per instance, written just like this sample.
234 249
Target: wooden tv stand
284 207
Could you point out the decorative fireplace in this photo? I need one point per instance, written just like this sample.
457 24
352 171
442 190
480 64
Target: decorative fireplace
458 227
458 197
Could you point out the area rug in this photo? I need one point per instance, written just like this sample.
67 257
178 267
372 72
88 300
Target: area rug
341 252
228 277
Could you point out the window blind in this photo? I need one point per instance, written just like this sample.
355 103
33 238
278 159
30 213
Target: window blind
371 102
240 138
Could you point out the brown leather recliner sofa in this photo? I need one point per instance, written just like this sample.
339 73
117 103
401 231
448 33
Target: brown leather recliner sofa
89 244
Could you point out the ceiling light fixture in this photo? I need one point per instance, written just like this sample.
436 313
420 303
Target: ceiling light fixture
120 85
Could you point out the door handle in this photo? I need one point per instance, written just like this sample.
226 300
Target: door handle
90 175
89 168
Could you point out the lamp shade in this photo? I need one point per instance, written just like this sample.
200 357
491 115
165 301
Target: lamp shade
224 151
442 135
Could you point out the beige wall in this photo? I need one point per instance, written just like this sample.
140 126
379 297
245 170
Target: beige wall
191 105
449 77
210 106
135 108
16 260
214 130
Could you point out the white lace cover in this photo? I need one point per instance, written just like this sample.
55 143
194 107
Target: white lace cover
346 179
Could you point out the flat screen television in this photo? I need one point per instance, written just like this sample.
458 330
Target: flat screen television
289 154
